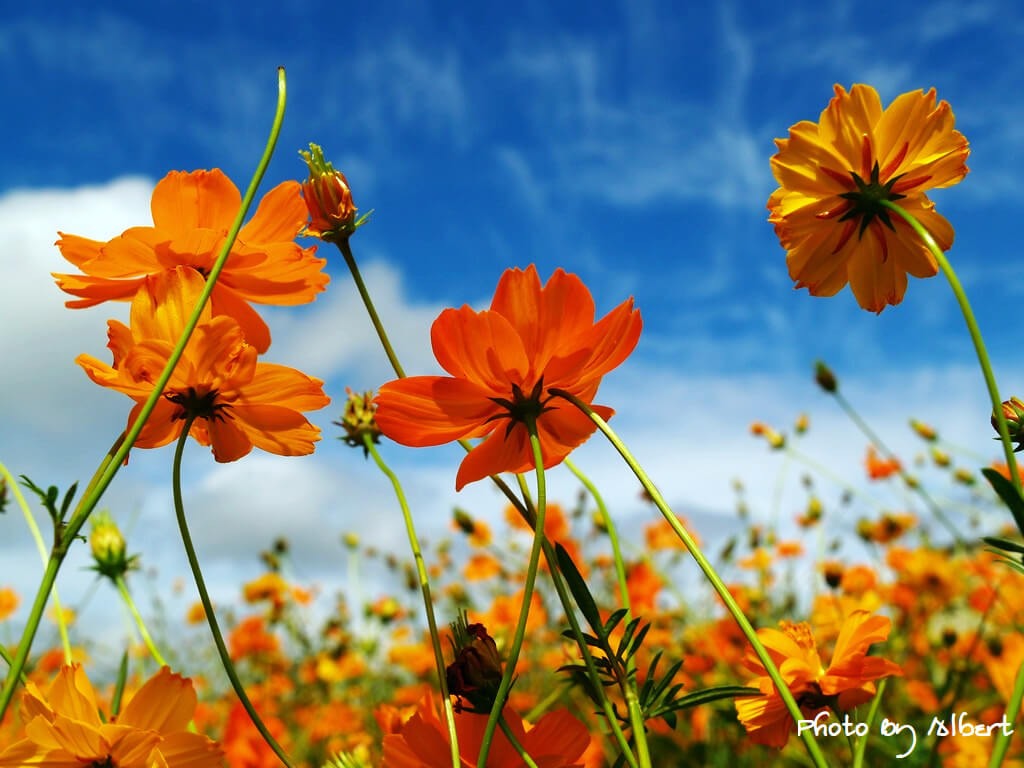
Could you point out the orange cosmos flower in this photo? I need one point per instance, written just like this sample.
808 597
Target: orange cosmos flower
64 727
832 176
503 363
845 683
557 740
879 468
238 402
192 213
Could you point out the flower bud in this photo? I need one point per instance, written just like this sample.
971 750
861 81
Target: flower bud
328 198
475 674
108 548
358 420
940 458
833 571
924 431
825 378
463 521
802 422
1013 412
3 495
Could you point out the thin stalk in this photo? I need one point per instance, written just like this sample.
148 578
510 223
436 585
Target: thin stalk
7 658
428 603
709 572
524 611
350 260
862 742
37 536
122 587
870 434
974 331
112 463
636 719
122 679
515 743
544 704
204 596
826 472
1003 738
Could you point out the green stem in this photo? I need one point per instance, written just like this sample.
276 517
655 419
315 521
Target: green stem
204 597
122 679
629 691
709 572
37 536
1003 738
428 603
122 587
346 251
112 463
870 434
862 742
975 332
515 743
7 658
832 476
544 704
524 611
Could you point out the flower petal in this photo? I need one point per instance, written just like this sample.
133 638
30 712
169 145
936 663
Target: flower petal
482 347
200 199
224 301
495 455
432 410
165 703
280 215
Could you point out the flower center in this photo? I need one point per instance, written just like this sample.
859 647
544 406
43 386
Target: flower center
107 762
196 405
522 408
866 200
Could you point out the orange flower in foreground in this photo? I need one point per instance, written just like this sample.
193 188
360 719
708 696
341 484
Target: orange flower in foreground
239 403
832 177
192 213
846 683
557 740
64 727
503 363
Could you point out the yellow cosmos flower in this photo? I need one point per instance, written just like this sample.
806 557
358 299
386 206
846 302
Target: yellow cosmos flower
63 727
833 176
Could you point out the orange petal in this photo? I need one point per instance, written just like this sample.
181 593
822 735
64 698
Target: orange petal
224 301
557 734
162 427
192 750
482 347
228 440
281 214
276 429
95 290
495 455
564 428
432 410
280 385
201 199
165 703
164 304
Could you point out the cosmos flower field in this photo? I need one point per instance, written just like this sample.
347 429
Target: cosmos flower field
558 639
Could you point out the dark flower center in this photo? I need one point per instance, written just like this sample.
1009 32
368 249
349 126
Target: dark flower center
866 200
107 762
522 408
195 405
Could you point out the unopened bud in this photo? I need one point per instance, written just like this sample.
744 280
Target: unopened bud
1013 412
802 422
924 431
940 458
475 674
825 378
328 199
358 421
108 548
833 573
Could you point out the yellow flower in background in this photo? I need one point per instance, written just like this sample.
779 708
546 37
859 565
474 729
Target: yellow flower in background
833 176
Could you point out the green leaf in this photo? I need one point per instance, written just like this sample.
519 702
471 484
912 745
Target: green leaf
579 589
1004 544
122 677
706 696
1010 496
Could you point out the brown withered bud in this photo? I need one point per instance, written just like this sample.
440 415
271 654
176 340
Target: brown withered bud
475 674
833 573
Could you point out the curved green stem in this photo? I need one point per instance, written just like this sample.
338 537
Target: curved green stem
524 611
37 537
515 743
870 434
112 463
122 587
350 260
204 597
862 742
975 332
7 658
1003 738
636 719
709 572
428 603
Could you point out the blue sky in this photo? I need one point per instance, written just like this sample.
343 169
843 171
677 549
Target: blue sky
627 142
